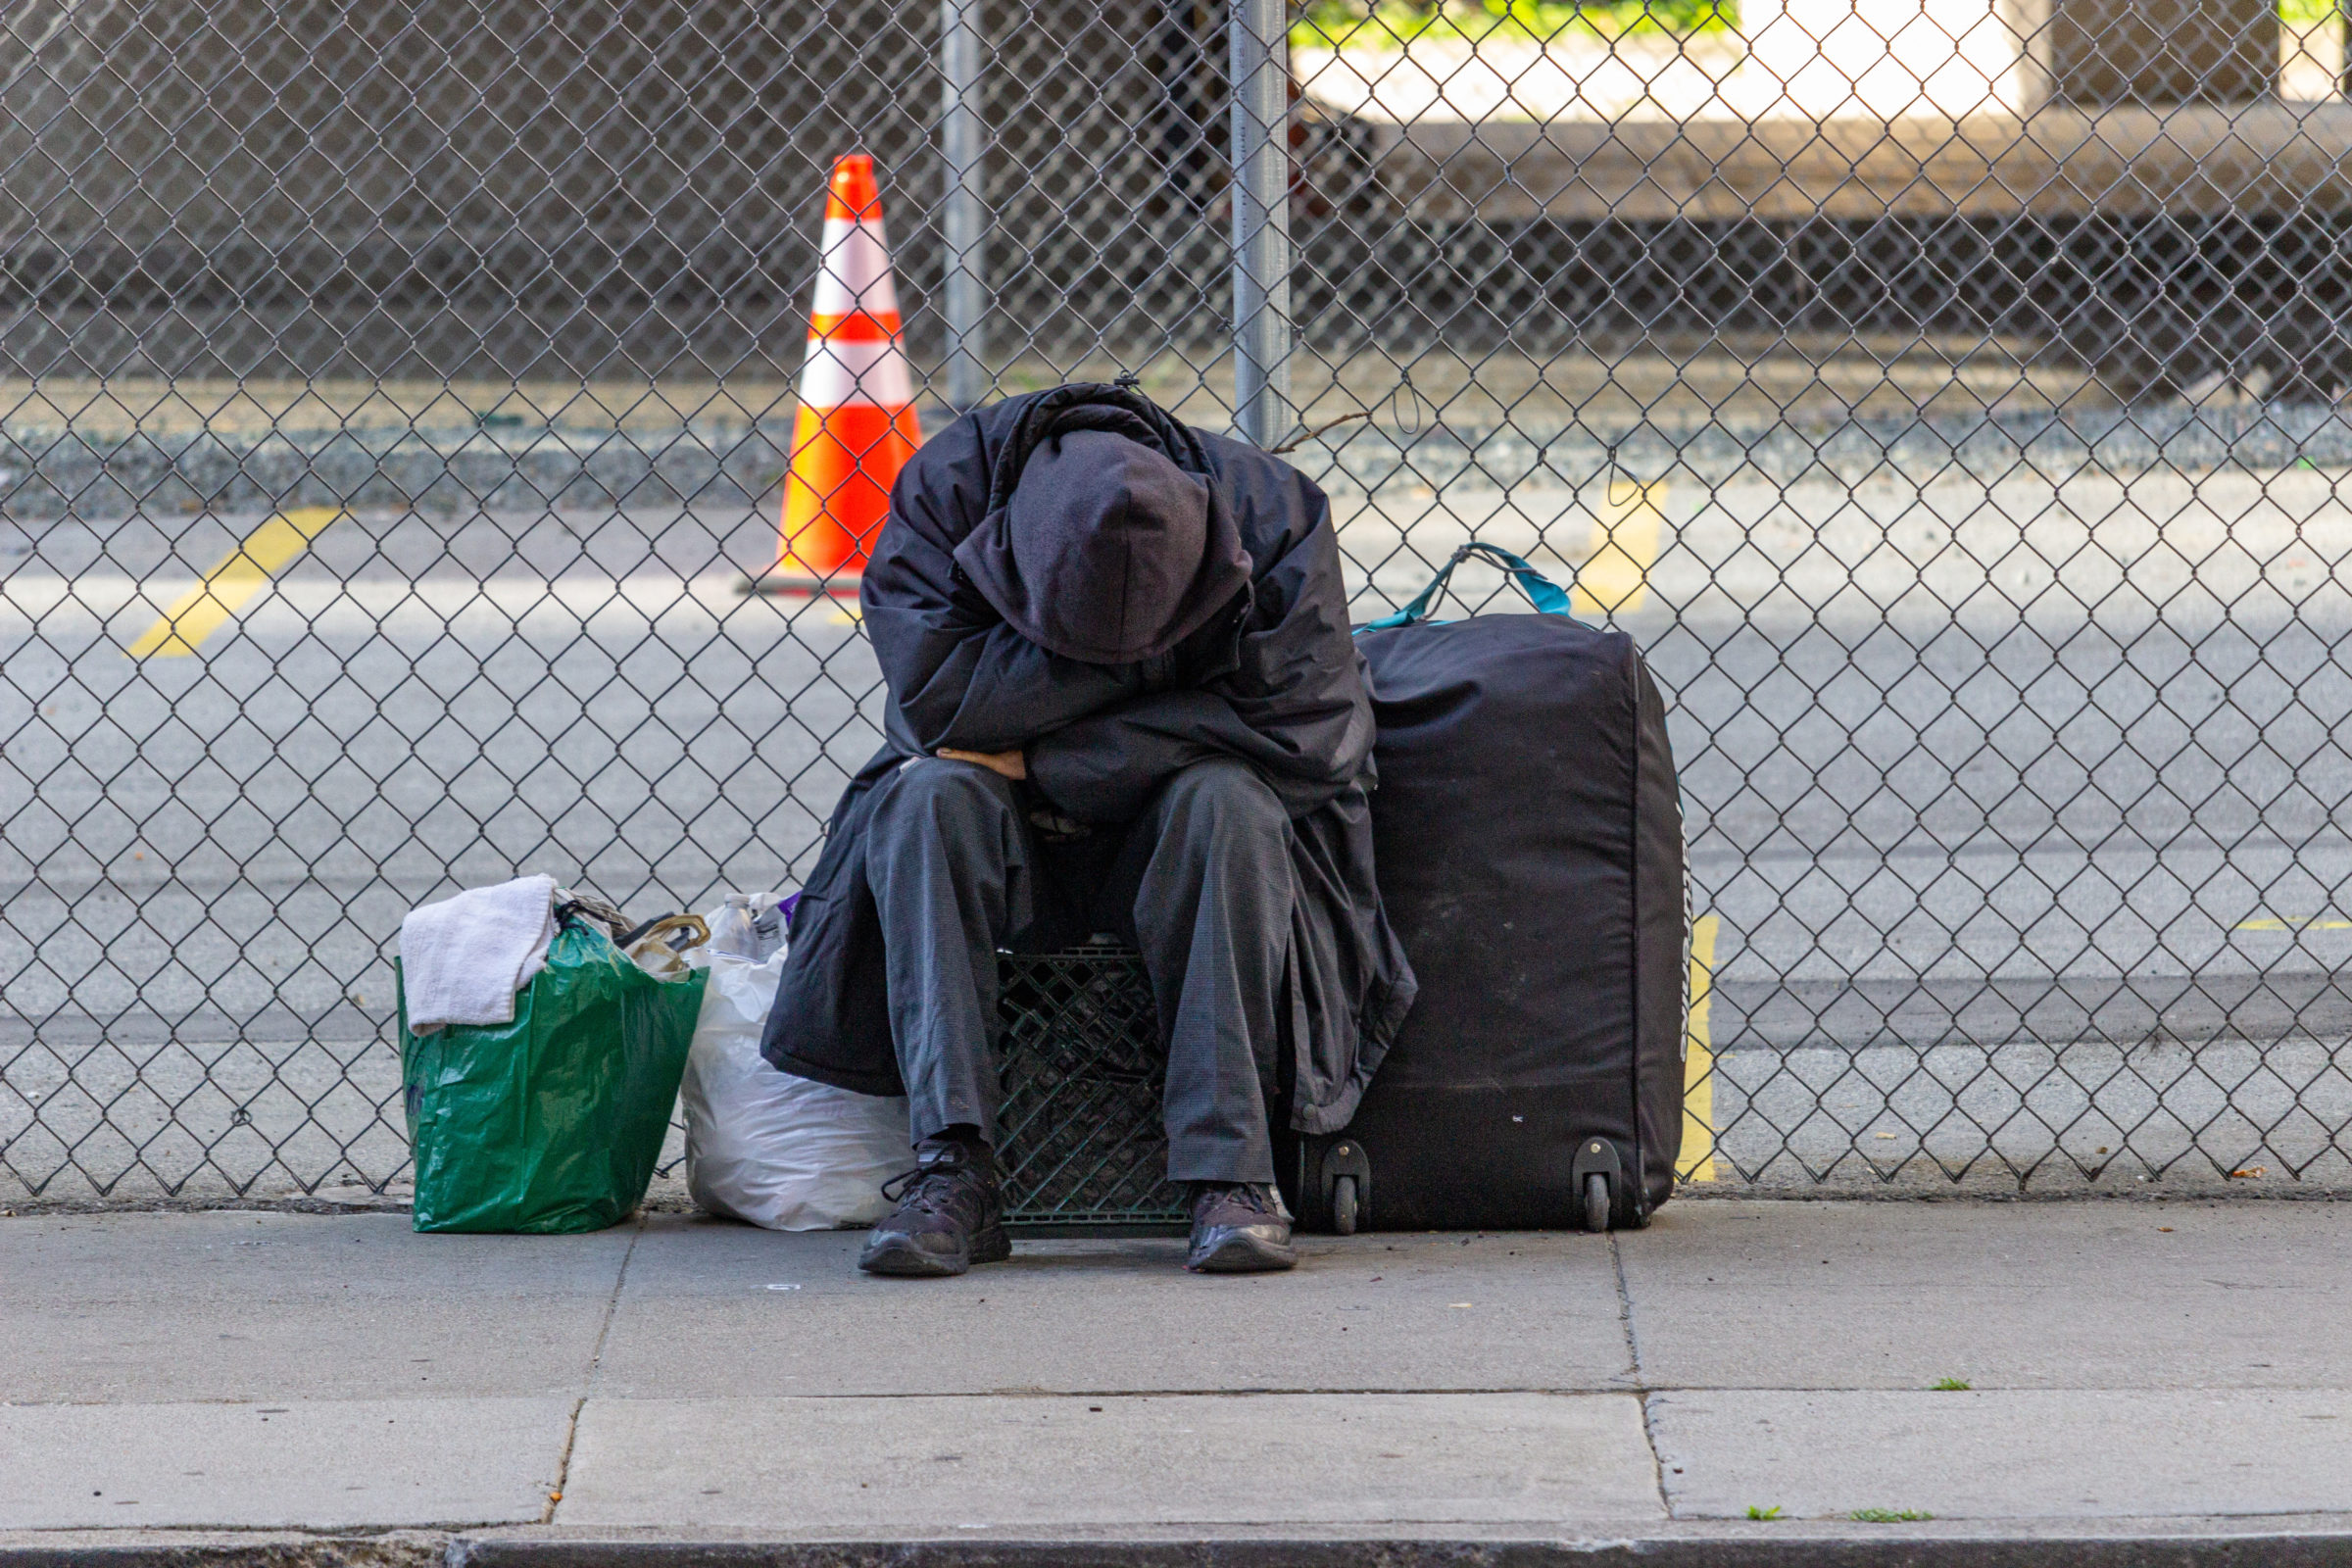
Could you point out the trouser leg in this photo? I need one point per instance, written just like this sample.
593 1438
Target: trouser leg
1205 880
947 857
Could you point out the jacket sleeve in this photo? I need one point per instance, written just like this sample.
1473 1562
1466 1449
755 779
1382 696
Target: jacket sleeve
959 675
1294 706
1104 767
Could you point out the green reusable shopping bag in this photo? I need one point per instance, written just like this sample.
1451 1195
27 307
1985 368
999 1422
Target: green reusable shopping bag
551 1123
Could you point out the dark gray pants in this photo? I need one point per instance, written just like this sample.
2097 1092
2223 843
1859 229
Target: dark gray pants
1200 884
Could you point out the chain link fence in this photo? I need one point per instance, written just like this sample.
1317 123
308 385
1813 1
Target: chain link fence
1946 393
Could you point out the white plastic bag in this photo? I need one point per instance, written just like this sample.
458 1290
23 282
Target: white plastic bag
765 1147
750 925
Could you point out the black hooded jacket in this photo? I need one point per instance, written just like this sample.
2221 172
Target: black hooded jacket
1272 678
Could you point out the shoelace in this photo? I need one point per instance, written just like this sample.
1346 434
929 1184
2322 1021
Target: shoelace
1247 1195
928 1187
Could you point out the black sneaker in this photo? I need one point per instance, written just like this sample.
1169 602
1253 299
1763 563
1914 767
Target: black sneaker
1238 1228
949 1215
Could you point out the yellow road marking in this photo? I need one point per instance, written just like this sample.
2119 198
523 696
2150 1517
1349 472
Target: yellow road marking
1615 575
1698 1070
2308 922
241 574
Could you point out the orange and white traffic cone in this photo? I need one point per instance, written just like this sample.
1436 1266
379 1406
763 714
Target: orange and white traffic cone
857 425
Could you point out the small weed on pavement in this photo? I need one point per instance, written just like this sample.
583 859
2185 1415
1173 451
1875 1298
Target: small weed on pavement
1757 1511
1949 1384
1889 1516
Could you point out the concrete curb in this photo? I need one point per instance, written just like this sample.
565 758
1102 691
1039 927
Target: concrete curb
408 1549
450 471
1678 1552
2155 1549
459 469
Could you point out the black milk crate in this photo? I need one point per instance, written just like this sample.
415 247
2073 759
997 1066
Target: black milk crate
1079 1133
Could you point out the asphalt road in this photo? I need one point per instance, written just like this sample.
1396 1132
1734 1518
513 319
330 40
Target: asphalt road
2019 807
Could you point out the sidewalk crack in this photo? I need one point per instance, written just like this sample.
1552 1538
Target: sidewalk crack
1625 1311
1633 1351
596 1361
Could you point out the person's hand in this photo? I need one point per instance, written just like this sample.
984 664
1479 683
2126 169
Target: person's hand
1012 764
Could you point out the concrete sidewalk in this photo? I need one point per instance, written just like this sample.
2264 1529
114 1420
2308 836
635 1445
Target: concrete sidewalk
236 1382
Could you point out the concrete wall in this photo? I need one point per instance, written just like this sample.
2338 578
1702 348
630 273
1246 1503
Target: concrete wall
630 187
2162 52
313 186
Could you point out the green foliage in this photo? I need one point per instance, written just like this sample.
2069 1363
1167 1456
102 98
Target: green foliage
1889 1516
1949 1384
1392 24
2301 16
1757 1511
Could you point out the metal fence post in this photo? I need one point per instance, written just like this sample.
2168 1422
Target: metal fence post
1261 219
963 217
2343 33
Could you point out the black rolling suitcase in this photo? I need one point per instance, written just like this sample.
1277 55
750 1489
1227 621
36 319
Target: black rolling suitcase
1529 853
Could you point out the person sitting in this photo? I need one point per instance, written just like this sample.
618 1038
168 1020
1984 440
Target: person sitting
1123 698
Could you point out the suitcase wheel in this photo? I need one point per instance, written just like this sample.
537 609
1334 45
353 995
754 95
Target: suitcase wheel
1597 1202
1594 1177
1343 1205
1345 1174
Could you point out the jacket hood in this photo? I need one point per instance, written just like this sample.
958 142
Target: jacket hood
1100 544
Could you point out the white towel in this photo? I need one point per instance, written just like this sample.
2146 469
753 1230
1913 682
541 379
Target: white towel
463 959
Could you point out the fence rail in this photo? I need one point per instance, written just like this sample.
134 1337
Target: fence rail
1947 394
